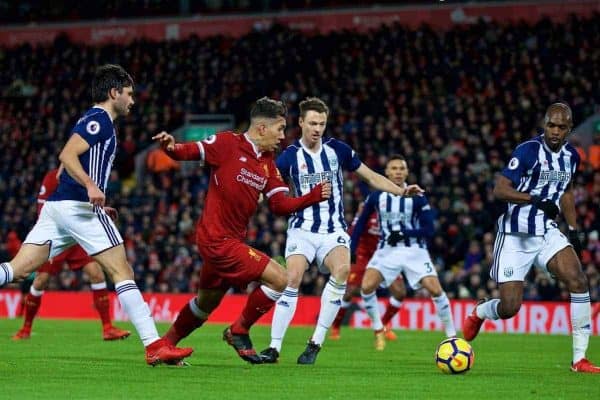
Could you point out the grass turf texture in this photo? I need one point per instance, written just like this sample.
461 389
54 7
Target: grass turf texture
68 359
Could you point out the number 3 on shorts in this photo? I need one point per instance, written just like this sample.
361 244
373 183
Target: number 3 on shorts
428 267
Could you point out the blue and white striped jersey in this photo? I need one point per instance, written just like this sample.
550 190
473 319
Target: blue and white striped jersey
411 216
305 169
96 128
537 170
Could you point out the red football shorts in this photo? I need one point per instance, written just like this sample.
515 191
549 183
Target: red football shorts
74 256
230 263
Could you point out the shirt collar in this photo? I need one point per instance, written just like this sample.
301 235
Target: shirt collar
105 110
310 151
254 147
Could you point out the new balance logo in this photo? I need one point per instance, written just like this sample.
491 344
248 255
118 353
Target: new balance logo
336 302
283 303
243 159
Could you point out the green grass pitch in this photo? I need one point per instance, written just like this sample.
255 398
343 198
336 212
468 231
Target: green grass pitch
68 360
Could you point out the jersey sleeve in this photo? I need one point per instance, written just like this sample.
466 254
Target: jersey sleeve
214 148
361 222
425 217
522 159
283 165
94 128
349 160
275 183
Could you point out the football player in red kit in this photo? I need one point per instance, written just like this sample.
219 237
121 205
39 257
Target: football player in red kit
242 168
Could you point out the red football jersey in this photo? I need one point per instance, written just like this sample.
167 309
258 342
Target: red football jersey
49 185
369 238
239 174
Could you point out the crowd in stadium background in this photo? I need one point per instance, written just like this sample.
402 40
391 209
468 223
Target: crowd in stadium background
31 11
455 103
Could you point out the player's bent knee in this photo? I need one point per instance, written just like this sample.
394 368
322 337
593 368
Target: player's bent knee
368 287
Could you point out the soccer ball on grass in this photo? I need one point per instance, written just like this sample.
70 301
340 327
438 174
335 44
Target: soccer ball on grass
454 356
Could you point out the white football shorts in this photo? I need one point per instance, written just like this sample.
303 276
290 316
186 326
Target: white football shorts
514 254
67 222
314 245
415 262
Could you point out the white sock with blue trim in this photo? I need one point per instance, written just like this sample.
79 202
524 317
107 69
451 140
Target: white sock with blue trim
136 308
488 310
372 308
285 309
444 313
581 323
6 273
331 301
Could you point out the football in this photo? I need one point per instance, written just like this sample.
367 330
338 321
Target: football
454 356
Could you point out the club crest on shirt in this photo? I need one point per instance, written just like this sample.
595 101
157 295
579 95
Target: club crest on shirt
254 255
92 127
513 163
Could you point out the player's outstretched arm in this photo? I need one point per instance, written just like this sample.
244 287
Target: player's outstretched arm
166 141
69 157
178 151
360 225
380 182
282 204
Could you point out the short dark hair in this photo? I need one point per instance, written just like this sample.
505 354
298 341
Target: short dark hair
395 157
109 76
313 104
559 106
268 108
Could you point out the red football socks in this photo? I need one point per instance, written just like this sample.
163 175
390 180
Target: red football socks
32 305
257 305
102 304
390 311
337 322
185 324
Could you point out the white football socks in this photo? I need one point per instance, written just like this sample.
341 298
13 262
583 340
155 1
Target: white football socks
285 309
136 308
444 313
372 308
581 323
331 300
